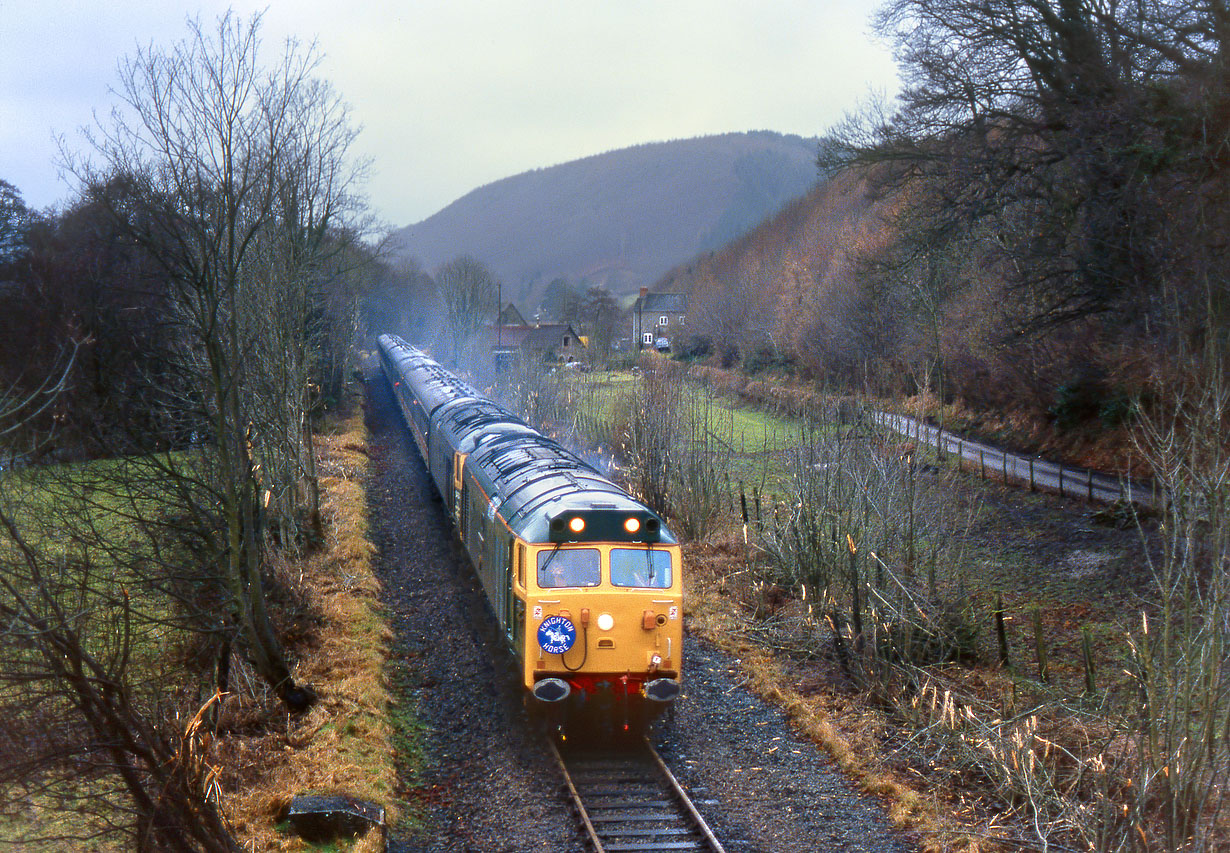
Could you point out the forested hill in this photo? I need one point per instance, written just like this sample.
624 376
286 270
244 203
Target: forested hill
619 219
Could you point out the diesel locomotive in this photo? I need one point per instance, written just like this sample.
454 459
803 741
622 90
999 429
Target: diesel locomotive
584 580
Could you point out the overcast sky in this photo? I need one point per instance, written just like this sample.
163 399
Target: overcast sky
454 94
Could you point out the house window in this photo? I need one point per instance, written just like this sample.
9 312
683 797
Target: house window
680 319
647 339
565 340
662 321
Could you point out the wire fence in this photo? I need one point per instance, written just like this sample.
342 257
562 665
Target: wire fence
1034 473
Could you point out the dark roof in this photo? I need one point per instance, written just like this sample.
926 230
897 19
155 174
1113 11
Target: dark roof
509 337
663 303
534 337
550 335
510 316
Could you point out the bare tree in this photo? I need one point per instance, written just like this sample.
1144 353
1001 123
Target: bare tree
469 295
602 316
15 219
1049 128
87 709
238 184
403 299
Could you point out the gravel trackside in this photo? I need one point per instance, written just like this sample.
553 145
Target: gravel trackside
758 784
486 782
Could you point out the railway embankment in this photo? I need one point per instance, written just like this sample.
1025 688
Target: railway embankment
343 745
947 640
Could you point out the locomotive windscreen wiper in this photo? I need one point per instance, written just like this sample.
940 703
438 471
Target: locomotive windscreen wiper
542 569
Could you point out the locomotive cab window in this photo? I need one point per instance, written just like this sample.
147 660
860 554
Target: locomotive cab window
641 567
561 567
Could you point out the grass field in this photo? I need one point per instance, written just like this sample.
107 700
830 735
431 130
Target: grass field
85 522
754 438
81 521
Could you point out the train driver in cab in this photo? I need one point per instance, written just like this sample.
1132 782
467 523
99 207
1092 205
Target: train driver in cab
569 568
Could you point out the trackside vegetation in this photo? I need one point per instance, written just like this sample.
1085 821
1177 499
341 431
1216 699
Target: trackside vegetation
165 557
78 568
883 597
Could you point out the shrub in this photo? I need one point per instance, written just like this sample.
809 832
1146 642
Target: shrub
767 357
694 348
1117 411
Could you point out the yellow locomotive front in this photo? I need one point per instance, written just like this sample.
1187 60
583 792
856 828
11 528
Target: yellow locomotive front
603 618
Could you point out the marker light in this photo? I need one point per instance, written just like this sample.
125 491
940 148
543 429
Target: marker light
606 621
632 525
576 525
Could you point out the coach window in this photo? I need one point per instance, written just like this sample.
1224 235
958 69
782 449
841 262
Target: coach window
561 567
641 567
521 566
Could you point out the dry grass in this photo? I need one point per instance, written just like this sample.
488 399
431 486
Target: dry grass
838 722
344 744
970 755
969 759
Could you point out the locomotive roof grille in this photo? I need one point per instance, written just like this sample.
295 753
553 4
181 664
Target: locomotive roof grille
529 455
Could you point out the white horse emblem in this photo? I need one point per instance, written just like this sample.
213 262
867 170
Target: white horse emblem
556 635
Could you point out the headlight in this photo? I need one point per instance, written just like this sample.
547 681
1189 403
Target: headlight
632 525
606 621
576 525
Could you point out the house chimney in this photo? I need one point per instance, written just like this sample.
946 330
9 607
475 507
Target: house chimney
644 292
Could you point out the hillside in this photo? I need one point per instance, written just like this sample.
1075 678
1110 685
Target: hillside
619 219
810 290
791 279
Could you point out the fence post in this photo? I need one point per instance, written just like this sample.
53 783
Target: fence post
1003 458
1061 481
1090 496
1032 487
1044 674
1001 633
1091 684
982 464
856 604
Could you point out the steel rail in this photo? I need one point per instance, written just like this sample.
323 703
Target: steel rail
577 802
632 802
685 801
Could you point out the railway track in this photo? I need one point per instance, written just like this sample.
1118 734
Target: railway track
627 799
